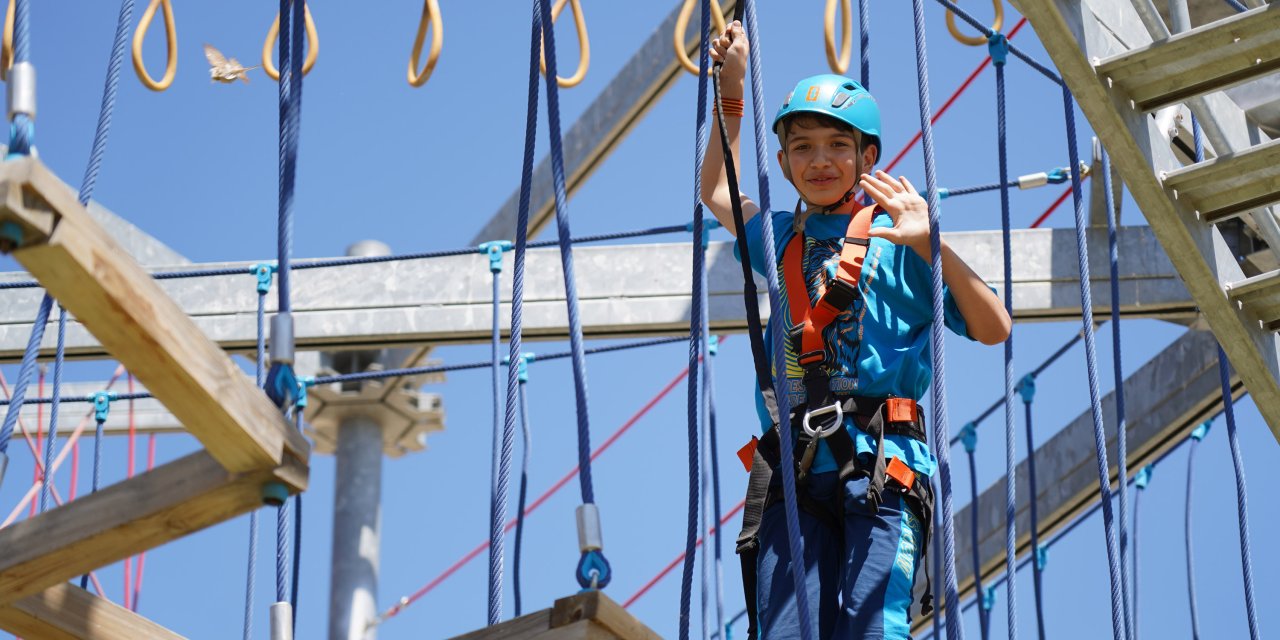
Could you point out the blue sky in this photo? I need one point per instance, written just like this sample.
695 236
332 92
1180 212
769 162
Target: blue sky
421 169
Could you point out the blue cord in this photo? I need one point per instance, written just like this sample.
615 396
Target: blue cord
500 464
1242 506
526 453
697 329
864 41
22 127
938 345
50 444
1028 390
970 435
1186 528
1237 5
249 580
1119 628
795 540
1122 447
28 367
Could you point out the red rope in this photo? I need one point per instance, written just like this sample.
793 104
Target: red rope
680 558
1056 203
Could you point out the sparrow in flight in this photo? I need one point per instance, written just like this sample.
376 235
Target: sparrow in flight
223 70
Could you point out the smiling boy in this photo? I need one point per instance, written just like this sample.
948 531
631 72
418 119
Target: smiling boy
855 293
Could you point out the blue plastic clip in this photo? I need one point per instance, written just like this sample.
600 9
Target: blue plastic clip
1143 477
102 405
263 271
494 250
943 193
998 47
1042 557
282 385
522 367
969 436
989 598
713 345
303 383
1059 175
1202 430
708 225
12 233
1027 387
593 571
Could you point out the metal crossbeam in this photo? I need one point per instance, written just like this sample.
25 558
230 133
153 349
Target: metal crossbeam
642 290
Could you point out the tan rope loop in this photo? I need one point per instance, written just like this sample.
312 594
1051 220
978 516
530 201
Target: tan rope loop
682 27
313 45
975 41
139 66
430 16
839 63
584 44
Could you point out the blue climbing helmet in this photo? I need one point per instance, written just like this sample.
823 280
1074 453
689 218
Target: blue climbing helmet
837 97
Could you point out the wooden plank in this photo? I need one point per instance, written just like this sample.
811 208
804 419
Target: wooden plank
67 612
76 261
127 518
1209 58
1229 184
586 616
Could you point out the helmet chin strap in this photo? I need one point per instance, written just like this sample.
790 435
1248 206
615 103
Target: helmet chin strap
848 195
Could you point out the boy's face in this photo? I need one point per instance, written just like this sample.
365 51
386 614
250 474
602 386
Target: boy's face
823 162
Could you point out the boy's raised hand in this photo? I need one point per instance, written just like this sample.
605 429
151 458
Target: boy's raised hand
908 209
731 48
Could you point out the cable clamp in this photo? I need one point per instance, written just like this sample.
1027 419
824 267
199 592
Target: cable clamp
1027 387
263 271
713 344
1202 430
998 47
988 598
943 193
494 249
102 404
1143 477
522 365
969 436
22 90
593 570
1042 556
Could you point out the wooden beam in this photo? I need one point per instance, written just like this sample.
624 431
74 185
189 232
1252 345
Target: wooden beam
130 517
121 305
67 612
591 614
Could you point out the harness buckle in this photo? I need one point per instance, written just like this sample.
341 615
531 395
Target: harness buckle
838 423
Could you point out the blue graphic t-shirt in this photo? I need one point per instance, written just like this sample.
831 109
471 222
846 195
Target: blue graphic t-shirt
880 347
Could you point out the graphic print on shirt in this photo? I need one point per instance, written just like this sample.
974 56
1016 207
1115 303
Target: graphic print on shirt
843 337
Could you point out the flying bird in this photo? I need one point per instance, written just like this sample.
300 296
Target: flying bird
223 70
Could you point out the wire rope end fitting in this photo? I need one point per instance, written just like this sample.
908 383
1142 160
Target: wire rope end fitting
713 345
282 338
282 383
943 193
264 272
969 436
522 366
1027 387
1042 557
21 92
281 621
1201 431
274 493
1143 477
11 236
989 598
494 249
998 47
102 405
593 569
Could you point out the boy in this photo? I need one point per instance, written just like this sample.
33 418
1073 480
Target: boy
856 285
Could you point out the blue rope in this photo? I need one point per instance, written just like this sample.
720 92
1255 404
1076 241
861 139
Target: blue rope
22 127
107 108
998 45
1242 507
1235 4
986 31
97 473
500 463
249 580
1140 483
260 372
526 454
1028 390
864 41
938 344
1119 628
50 444
709 399
937 571
697 330
290 65
795 540
297 543
1122 427
593 558
521 242
1196 436
282 552
28 367
969 436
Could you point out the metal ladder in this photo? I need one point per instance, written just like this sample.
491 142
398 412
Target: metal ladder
1120 75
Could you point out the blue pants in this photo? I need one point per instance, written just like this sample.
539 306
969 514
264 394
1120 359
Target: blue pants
859 579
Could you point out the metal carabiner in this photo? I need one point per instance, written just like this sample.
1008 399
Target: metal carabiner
834 407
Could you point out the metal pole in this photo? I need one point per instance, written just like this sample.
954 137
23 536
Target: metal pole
357 523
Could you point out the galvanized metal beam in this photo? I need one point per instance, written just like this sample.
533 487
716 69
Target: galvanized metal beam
602 127
640 291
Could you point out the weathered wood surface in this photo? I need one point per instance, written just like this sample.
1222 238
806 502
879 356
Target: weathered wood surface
591 615
67 612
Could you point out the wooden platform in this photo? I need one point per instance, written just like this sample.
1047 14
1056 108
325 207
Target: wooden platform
589 615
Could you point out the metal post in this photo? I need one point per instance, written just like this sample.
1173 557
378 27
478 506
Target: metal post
357 523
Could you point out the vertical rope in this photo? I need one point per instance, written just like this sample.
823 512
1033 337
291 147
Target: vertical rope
297 541
1186 529
51 443
970 437
696 331
260 373
1122 448
864 41
290 65
1133 610
1028 392
500 464
999 47
282 552
525 443
28 367
522 236
1119 628
795 541
21 127
708 394
937 344
1242 507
